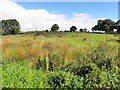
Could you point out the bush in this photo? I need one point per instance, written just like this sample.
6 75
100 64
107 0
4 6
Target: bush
62 79
82 70
21 75
101 56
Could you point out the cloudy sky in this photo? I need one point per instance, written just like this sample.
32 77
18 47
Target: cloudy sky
42 15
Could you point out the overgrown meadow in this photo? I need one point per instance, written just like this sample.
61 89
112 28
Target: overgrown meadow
60 60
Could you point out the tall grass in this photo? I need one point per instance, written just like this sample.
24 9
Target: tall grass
21 47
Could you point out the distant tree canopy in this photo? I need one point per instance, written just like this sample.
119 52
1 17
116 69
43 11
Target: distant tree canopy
73 29
10 26
55 27
83 30
118 22
104 25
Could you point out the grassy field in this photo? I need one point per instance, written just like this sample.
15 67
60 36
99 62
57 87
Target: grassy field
28 46
60 60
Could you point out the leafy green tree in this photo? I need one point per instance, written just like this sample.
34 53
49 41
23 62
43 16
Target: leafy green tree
10 26
104 25
55 27
84 30
81 30
95 28
73 29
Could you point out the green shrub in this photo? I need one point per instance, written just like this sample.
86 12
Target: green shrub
110 78
62 79
103 55
82 70
21 75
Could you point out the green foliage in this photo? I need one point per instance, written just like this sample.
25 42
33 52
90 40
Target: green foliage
73 29
21 75
82 70
104 25
62 79
52 62
10 26
91 79
55 27
101 56
83 30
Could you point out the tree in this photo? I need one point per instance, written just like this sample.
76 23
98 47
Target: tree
55 27
104 25
84 30
73 29
95 28
81 30
10 26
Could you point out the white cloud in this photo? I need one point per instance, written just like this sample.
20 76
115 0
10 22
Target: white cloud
41 19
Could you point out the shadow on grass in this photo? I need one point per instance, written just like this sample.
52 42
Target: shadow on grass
118 41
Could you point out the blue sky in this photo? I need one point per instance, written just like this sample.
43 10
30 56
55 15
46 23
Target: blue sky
95 9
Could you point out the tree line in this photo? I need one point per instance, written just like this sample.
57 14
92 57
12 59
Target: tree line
12 27
106 25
